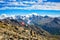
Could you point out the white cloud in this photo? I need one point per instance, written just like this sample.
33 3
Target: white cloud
12 0
46 6
3 16
1 1
39 1
51 15
16 4
30 2
34 5
35 14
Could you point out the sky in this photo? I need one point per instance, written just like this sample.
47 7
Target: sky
23 7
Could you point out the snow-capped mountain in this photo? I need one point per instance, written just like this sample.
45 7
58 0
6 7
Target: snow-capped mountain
29 18
3 16
47 23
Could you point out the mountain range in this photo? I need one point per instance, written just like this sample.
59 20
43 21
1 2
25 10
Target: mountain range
50 24
29 27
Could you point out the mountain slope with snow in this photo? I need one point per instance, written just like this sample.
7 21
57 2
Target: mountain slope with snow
46 22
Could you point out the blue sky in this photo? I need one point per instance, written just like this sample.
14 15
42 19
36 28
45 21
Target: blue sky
54 0
21 7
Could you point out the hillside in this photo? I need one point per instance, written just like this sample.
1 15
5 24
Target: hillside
53 27
11 29
15 32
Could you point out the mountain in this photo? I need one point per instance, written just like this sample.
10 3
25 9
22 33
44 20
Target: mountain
28 28
53 27
11 29
3 16
50 24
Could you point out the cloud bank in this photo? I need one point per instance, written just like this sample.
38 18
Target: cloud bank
29 5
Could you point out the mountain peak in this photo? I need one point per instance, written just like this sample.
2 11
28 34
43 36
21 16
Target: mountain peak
46 16
2 16
35 14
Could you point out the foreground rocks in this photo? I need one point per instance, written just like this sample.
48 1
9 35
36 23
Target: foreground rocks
18 32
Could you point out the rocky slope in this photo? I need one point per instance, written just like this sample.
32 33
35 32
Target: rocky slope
13 30
53 27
